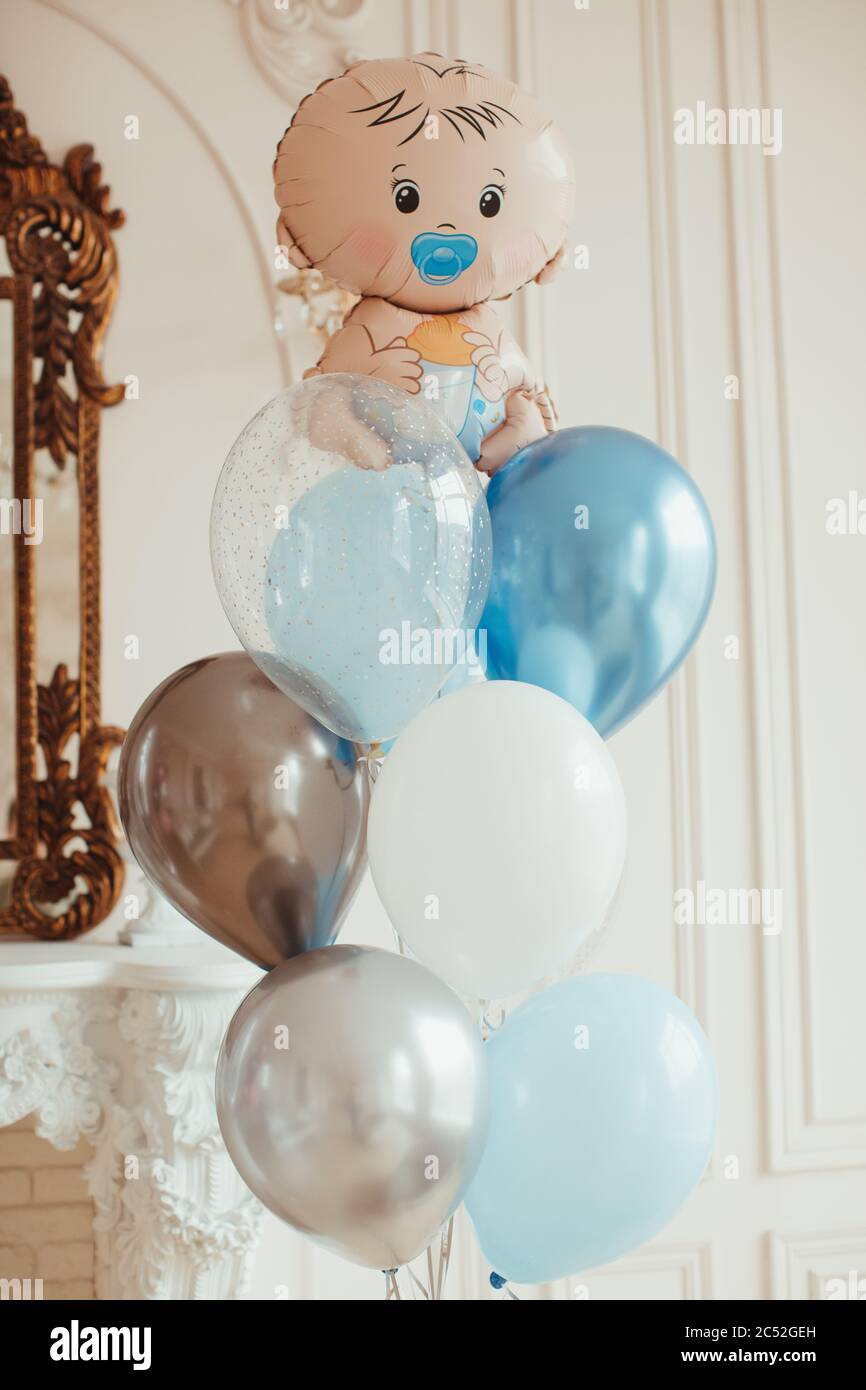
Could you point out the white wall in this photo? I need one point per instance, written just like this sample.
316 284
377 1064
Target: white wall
704 261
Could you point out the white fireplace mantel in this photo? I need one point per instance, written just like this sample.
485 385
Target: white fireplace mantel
118 1044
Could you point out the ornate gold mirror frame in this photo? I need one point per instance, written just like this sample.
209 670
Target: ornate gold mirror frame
63 828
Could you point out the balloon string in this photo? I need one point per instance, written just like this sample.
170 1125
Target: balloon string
374 758
444 1256
436 1273
416 1283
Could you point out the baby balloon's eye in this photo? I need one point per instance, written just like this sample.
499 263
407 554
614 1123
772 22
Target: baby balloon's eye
407 195
490 201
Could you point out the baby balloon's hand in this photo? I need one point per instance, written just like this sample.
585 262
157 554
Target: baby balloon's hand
544 401
333 426
491 378
399 364
523 425
353 350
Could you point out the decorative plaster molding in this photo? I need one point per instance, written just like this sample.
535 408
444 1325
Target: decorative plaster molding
131 1070
53 1073
296 44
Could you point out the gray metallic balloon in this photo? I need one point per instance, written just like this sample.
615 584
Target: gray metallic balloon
246 814
353 1099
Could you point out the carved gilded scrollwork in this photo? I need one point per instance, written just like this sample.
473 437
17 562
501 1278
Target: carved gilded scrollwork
57 225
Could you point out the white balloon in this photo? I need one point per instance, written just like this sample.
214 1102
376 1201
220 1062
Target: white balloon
497 836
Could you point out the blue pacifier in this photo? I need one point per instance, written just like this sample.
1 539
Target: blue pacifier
440 258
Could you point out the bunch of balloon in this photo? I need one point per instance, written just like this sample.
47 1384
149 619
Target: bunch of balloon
364 568
352 1086
497 838
354 1092
603 1093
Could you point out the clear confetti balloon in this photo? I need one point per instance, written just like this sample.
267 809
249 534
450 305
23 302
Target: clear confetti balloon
350 540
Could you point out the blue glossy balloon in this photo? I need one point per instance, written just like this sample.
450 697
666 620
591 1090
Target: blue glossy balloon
604 562
605 1102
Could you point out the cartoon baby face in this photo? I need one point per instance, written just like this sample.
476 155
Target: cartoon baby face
428 182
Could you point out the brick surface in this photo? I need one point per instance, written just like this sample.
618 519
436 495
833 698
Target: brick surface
72 1260
68 1288
17 1262
23 1149
58 1185
38 1226
46 1215
14 1187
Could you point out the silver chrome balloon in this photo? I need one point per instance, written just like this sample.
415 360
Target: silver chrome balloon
246 813
353 1099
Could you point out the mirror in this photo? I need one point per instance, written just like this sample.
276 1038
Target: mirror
60 870
8 778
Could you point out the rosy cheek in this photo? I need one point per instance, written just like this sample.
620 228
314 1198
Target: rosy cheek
370 244
521 250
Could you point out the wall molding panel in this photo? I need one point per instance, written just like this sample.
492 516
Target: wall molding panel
693 1266
802 1265
796 1141
673 434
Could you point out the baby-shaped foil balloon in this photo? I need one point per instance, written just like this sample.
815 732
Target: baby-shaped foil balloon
430 186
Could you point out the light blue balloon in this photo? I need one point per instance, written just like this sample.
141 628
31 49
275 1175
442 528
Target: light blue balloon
350 540
605 1104
363 580
604 563
468 671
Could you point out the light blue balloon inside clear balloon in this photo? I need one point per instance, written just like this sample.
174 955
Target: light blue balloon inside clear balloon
604 565
468 671
604 1112
350 541
362 598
